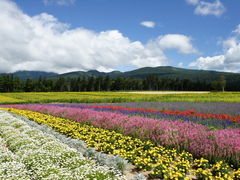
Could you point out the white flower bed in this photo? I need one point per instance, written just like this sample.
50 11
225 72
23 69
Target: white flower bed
10 165
115 162
28 153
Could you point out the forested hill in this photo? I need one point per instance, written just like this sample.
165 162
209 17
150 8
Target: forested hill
141 73
30 74
161 72
179 73
148 78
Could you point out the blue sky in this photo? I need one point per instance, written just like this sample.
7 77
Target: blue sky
198 34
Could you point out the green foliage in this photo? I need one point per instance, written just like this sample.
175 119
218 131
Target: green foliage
220 84
148 78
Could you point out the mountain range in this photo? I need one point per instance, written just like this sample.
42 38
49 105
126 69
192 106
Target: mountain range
161 71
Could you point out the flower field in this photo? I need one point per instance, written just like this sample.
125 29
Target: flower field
115 97
9 100
160 144
201 107
28 153
213 120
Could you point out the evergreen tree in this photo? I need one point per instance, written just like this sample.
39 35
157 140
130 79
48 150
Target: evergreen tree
2 89
29 86
90 84
222 82
107 83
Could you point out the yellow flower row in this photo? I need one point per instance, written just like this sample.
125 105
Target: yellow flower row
156 160
48 97
9 100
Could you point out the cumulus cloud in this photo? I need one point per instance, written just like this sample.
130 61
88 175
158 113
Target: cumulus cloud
42 42
59 2
237 30
148 24
204 8
214 62
193 2
175 41
229 60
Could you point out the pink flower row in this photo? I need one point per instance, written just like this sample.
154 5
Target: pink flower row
214 145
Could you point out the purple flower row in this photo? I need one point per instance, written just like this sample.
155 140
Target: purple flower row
213 123
205 108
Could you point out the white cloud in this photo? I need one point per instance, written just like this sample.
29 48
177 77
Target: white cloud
229 60
193 2
42 42
214 62
148 24
204 8
59 2
175 41
237 30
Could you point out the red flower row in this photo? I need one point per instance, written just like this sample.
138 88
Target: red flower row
191 113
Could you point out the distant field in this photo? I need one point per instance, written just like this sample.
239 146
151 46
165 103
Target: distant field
169 92
114 97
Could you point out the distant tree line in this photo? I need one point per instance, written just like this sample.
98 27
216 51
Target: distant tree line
10 83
